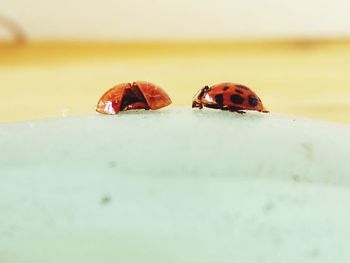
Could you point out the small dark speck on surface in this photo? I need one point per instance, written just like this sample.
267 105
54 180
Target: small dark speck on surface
112 164
105 200
300 178
268 207
296 178
315 252
309 150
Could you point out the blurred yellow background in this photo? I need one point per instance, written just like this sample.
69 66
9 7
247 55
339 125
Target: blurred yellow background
308 78
57 59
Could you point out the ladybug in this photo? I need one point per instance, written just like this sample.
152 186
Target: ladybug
228 96
132 96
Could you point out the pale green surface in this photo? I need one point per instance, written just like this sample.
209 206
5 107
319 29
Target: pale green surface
183 186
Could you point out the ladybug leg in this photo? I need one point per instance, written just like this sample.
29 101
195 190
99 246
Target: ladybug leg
236 109
195 104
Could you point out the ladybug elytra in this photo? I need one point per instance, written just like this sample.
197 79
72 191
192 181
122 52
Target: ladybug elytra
228 96
132 96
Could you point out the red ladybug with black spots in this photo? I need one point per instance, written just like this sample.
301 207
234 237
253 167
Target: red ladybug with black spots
228 96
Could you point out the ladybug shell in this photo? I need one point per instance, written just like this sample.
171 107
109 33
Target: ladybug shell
132 96
155 96
228 96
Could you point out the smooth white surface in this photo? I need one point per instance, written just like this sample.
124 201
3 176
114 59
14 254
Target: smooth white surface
181 19
176 185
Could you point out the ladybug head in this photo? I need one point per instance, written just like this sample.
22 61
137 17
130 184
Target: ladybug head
201 92
205 89
197 97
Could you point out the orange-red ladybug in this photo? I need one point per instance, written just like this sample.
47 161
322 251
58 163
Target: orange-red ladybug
133 96
228 96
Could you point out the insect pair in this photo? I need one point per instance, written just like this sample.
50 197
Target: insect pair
148 96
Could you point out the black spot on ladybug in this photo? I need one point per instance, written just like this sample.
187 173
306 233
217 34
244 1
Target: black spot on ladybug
239 91
242 87
253 101
225 88
219 99
237 99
